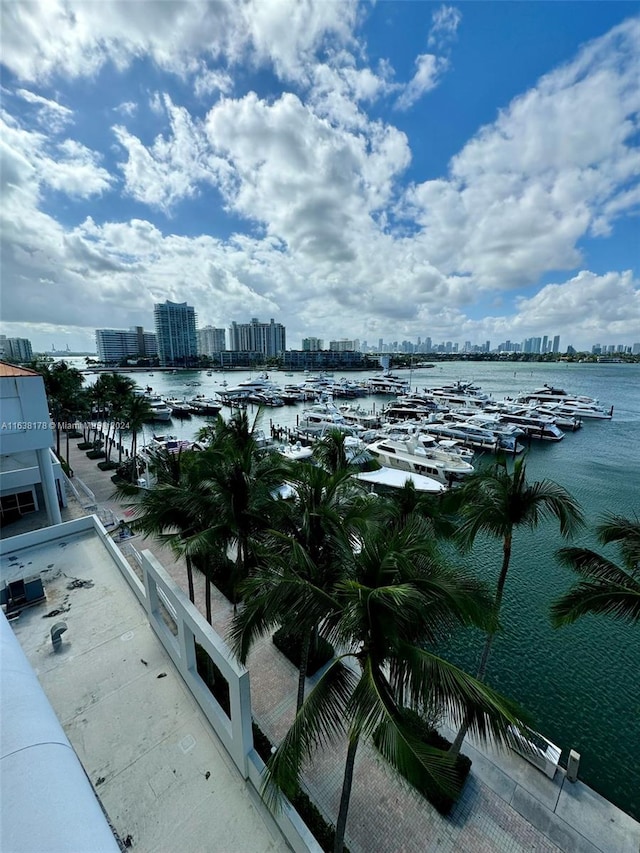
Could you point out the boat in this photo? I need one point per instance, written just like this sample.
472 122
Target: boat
160 411
419 458
388 383
475 437
181 408
205 405
563 417
295 452
396 479
536 426
579 406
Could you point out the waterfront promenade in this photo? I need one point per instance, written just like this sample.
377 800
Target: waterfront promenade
507 806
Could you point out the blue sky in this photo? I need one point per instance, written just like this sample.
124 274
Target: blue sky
462 171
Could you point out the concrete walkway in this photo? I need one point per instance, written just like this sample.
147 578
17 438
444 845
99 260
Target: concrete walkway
507 805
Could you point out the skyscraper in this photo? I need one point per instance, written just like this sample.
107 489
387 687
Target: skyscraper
556 343
176 333
211 340
114 345
267 338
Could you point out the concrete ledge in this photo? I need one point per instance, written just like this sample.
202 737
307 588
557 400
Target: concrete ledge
607 826
554 828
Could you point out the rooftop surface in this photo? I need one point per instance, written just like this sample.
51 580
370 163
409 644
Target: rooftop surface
161 774
508 806
8 369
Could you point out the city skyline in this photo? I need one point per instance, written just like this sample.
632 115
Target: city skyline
465 171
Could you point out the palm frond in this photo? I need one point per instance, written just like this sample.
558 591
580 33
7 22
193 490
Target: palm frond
320 719
602 598
463 697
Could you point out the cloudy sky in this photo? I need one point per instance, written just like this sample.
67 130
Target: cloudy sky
361 170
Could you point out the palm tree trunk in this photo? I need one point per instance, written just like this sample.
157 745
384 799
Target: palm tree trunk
190 578
207 599
456 746
341 824
302 671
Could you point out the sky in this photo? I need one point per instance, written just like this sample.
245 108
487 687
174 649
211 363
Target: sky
392 169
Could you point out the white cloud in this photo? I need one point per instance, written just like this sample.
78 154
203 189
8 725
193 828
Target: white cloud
51 115
316 182
31 162
126 108
444 28
554 165
282 33
428 71
313 185
171 168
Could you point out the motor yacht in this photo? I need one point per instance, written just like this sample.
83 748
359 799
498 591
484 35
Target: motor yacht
535 425
429 461
205 405
475 436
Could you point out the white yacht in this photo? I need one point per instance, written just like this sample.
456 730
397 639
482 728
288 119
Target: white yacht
429 461
535 425
388 383
476 437
160 411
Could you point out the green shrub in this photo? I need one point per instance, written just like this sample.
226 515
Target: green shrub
85 445
290 644
214 679
438 798
108 466
323 832
96 454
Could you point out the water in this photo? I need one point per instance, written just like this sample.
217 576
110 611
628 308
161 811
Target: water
581 684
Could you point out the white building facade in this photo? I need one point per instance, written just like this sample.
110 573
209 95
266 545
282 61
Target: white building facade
176 334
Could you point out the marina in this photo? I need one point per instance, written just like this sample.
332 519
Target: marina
599 465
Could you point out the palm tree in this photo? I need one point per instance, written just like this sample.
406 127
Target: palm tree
168 511
136 413
324 504
238 498
497 502
395 600
119 397
607 588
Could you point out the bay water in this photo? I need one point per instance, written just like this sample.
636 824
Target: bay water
581 684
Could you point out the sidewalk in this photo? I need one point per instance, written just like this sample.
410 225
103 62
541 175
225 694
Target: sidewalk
507 806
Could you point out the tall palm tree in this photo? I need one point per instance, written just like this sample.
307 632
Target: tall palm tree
170 510
136 413
118 400
497 501
607 588
394 601
324 504
239 497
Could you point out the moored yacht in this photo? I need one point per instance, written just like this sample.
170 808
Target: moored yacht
414 456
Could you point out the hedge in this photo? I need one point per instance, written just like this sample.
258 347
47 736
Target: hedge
290 644
442 801
323 832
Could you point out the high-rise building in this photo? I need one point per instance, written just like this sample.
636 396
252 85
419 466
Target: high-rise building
176 333
16 349
312 344
556 344
270 338
344 345
114 345
211 340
